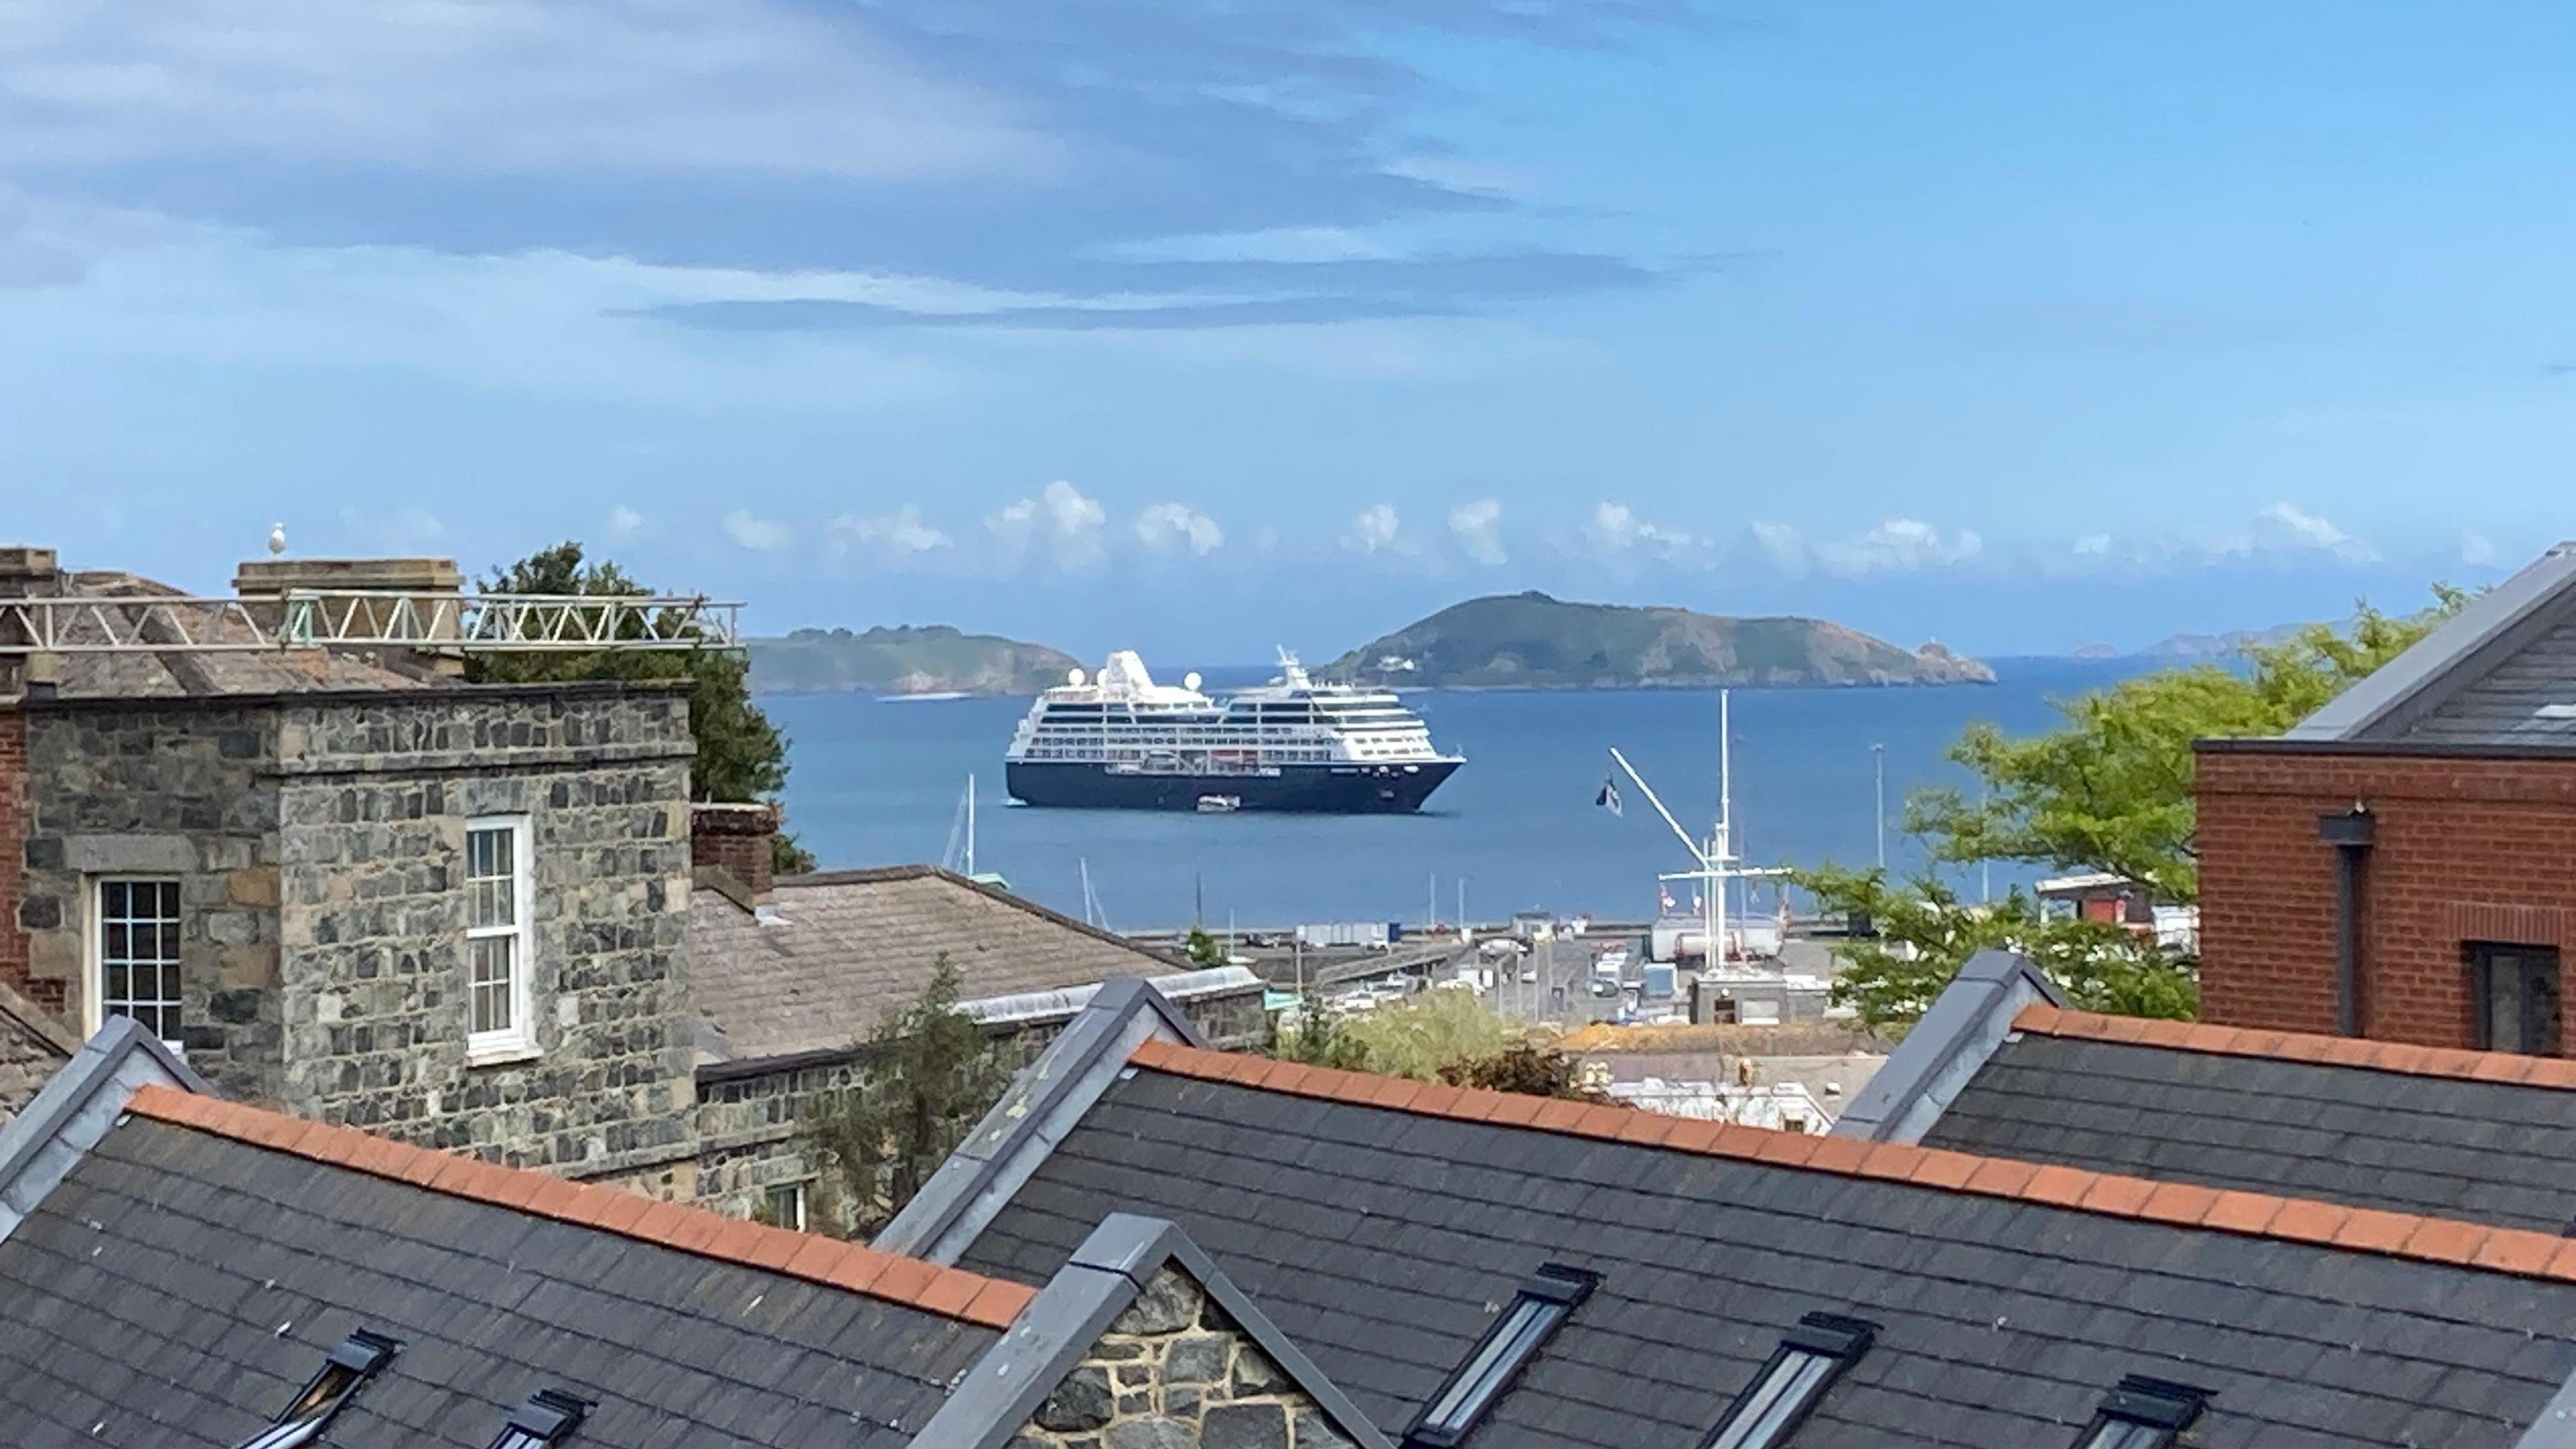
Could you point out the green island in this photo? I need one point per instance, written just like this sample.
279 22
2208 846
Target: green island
1533 641
907 659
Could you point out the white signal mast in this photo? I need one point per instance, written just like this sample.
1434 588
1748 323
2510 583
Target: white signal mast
1718 863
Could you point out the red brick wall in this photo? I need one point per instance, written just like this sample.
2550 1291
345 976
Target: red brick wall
2465 850
735 838
13 860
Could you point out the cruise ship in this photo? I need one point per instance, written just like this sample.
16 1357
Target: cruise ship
1120 741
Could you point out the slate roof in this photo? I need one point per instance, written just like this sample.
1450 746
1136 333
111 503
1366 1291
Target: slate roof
831 954
2479 1136
184 1279
179 674
1383 1222
2500 674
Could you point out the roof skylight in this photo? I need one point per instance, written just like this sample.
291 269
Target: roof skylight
1811 1355
2144 1413
544 1421
1540 1308
350 1363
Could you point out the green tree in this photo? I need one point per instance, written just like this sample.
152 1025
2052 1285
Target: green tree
1924 934
741 755
2111 787
1317 1036
1203 949
926 1076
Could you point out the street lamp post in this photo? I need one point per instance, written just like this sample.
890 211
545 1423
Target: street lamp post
1878 762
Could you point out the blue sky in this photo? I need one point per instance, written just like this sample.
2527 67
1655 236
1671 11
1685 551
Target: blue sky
1204 327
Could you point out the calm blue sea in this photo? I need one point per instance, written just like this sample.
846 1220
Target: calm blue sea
877 782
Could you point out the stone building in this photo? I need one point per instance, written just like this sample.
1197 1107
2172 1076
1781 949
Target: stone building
358 888
347 884
2402 864
792 977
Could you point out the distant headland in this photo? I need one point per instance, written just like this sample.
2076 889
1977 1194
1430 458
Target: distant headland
929 659
1534 641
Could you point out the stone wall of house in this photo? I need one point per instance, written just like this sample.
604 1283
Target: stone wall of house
750 1136
31 1051
374 800
1174 1372
172 791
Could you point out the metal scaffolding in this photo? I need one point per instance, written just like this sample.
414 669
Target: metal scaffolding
366 619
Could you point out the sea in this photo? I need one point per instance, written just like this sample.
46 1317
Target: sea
879 782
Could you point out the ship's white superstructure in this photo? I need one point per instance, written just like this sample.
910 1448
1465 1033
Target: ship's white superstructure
1322 739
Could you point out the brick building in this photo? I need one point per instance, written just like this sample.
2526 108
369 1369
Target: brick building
2402 864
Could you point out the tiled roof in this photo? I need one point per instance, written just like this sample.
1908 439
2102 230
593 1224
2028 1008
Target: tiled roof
184 674
833 954
2481 1136
2500 673
850 1266
181 1282
1382 1221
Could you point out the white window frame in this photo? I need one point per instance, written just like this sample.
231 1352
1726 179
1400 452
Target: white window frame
518 1041
94 942
800 1198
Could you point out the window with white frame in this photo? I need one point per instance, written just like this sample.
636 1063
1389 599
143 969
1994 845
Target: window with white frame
497 938
134 951
785 1206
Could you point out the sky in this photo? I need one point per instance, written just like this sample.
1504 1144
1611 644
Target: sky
1204 326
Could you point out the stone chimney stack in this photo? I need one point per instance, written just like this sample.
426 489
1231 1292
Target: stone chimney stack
430 587
26 572
736 840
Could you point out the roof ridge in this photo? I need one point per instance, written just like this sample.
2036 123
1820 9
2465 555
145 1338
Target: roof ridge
948 1292
2313 1048
2515 1251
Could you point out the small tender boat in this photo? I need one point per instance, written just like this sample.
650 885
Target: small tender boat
1220 804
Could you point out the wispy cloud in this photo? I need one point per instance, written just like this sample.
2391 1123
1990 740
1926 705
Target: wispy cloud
624 522
1477 526
1894 546
900 535
1378 529
1061 525
1171 528
761 535
1615 530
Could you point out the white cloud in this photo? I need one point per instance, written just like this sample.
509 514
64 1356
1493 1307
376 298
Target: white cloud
1170 528
624 522
2285 526
1061 522
1786 549
1478 527
760 535
1615 529
1376 530
1280 244
2093 545
2476 549
1898 545
512 86
900 534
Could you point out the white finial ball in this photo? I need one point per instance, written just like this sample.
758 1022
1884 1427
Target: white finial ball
277 538
1075 676
1190 680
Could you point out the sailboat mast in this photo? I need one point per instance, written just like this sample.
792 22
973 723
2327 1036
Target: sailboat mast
970 826
1716 916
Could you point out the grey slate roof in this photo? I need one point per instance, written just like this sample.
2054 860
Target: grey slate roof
831 954
1385 1241
1945 1049
2488 1152
177 1288
2500 673
179 674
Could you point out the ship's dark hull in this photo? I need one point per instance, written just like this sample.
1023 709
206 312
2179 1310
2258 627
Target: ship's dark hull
1312 789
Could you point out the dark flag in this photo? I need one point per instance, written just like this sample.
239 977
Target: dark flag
1608 799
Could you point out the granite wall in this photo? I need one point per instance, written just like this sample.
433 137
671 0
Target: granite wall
318 843
1174 1372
